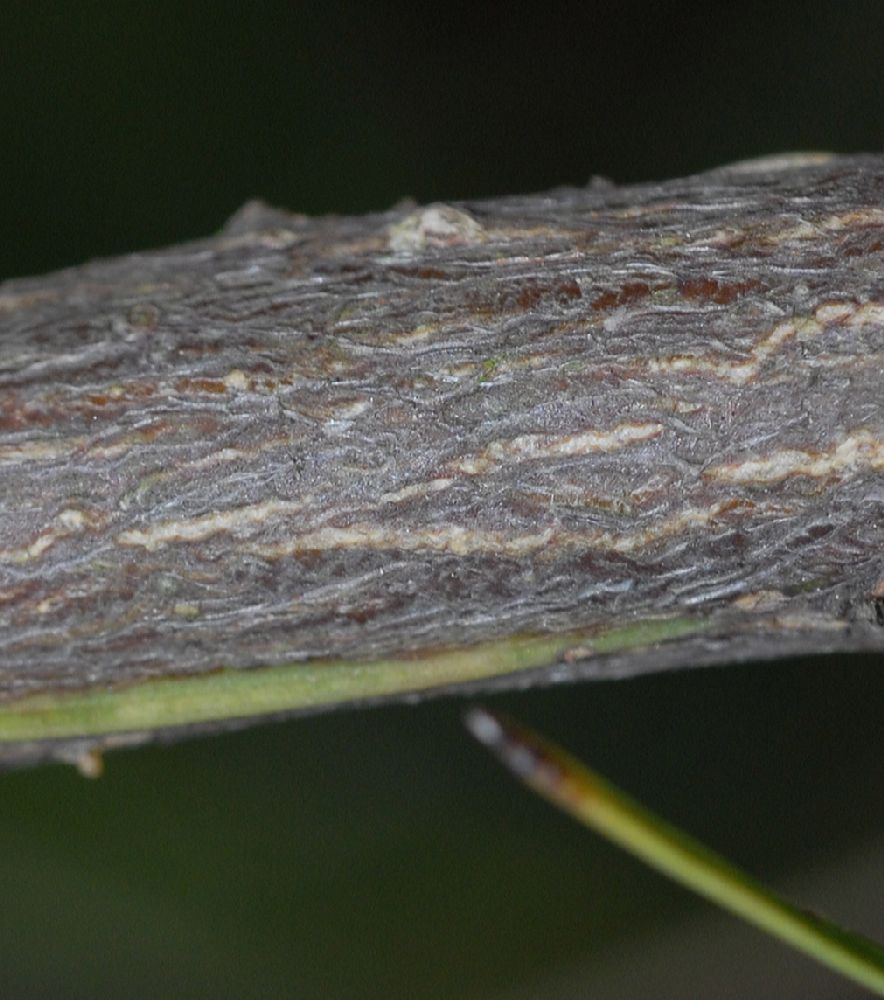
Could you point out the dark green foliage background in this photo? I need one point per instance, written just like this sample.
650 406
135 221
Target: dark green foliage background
380 854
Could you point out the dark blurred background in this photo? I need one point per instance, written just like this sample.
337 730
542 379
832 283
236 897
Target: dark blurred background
380 854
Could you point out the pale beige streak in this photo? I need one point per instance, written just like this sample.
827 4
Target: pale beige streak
851 314
735 371
39 451
237 520
855 217
220 456
871 313
838 313
454 538
860 450
236 454
807 230
528 447
460 540
68 522
416 490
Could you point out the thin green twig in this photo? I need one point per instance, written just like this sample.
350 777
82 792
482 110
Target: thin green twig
563 780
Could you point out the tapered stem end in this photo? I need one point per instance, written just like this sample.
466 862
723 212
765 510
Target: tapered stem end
527 755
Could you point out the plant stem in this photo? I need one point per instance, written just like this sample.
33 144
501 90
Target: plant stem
559 777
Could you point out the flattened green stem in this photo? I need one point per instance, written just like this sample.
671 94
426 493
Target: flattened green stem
235 694
563 780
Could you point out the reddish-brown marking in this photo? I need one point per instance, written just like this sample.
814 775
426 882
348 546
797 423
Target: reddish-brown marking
710 289
632 291
424 273
817 531
526 296
27 591
529 297
862 243
147 434
215 386
16 417
532 293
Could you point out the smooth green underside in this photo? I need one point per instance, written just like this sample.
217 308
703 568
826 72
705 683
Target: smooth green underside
232 693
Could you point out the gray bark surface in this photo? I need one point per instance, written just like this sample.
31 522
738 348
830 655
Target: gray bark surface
359 437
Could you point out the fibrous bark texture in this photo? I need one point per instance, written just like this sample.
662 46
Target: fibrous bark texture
441 429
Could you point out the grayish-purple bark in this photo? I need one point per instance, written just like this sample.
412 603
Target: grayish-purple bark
355 437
